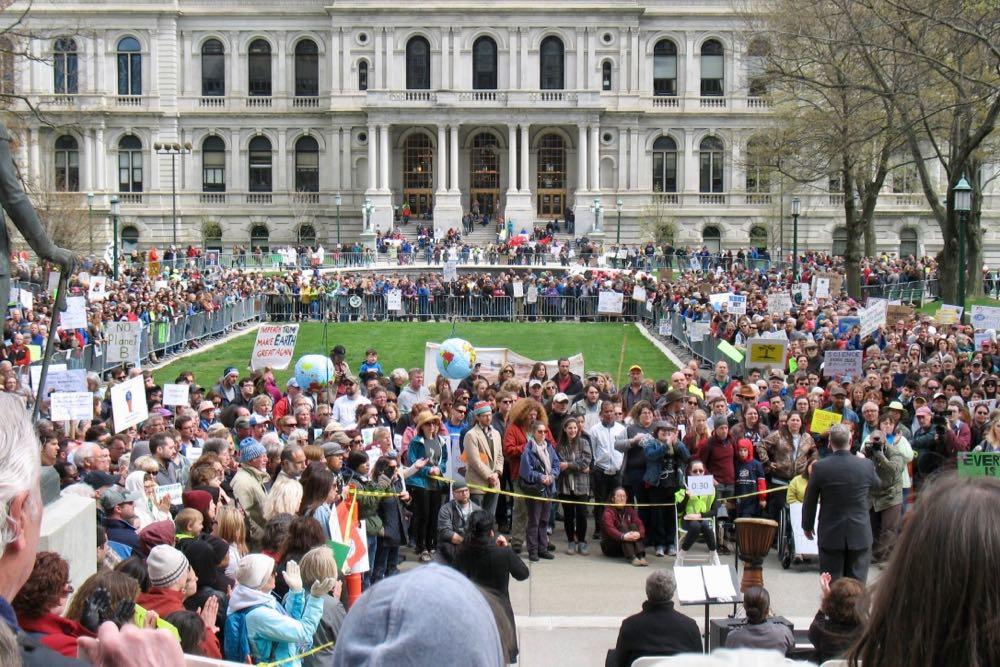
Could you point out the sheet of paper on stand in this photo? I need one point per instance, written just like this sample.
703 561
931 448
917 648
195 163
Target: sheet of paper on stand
718 582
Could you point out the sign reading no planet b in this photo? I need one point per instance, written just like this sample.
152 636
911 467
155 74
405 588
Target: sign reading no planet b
274 346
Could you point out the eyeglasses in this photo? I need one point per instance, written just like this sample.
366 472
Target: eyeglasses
357 441
461 412
506 400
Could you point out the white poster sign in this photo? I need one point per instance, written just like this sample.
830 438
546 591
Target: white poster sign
274 346
75 315
803 545
609 303
664 327
822 288
639 293
128 403
779 303
695 264
738 304
701 485
176 394
986 317
26 299
36 373
71 405
531 296
451 270
123 342
394 300
719 300
98 290
698 330
837 363
518 289
873 316
173 490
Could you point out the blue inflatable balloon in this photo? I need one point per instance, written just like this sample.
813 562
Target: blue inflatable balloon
456 358
313 368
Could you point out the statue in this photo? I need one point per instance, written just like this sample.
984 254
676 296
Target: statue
20 211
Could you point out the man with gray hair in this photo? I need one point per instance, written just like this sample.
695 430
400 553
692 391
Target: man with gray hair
657 630
842 484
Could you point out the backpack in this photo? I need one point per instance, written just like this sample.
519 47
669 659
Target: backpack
238 646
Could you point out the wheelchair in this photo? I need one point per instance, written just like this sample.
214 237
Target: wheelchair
786 539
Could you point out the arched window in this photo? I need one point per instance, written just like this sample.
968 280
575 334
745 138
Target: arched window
665 68
905 179
757 53
606 75
418 64
306 69
259 68
6 66
418 173
130 238
260 164
711 238
712 69
213 165
710 165
213 68
551 70
758 238
363 75
306 165
260 238
307 235
484 64
129 164
484 177
65 66
758 167
67 159
551 177
129 66
909 245
665 165
839 247
211 234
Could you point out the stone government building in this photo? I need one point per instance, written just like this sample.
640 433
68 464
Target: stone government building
525 109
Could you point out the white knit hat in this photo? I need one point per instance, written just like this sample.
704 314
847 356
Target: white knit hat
166 566
254 570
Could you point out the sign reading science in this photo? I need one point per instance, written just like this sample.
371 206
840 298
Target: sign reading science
274 346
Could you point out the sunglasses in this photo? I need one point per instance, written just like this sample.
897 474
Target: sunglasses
506 400
357 441
461 412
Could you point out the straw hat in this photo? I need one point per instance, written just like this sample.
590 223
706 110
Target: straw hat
426 417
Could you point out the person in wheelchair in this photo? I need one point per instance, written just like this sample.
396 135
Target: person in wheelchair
698 512
796 493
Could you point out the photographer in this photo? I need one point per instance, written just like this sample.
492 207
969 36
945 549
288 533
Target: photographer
887 501
933 443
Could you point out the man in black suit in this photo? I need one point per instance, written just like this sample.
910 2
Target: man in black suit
658 629
842 484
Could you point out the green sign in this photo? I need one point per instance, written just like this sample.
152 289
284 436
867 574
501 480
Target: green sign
979 464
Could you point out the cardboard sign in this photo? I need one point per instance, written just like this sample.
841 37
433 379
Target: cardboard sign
123 342
176 394
779 303
986 317
128 403
274 346
71 405
948 314
26 299
609 303
701 485
727 349
979 464
834 282
766 353
899 313
75 315
822 420
738 304
838 363
394 300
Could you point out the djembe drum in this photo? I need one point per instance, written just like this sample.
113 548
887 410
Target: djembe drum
754 538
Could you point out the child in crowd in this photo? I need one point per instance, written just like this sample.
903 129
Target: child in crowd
371 363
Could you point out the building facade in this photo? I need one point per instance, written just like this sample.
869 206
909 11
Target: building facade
275 123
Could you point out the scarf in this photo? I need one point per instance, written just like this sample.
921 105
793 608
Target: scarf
543 455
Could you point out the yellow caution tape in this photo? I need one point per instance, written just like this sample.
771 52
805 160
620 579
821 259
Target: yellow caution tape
315 649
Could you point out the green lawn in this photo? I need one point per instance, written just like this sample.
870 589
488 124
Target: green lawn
932 307
605 347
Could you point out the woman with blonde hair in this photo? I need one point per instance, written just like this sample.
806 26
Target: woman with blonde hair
230 525
283 499
318 565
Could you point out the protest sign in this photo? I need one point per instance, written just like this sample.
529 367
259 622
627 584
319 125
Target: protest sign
518 289
36 373
838 363
873 316
822 420
639 293
834 282
609 303
531 296
75 315
701 485
173 490
822 286
695 264
98 290
737 304
53 285
274 346
451 270
26 299
697 331
663 328
71 405
898 313
394 300
128 403
986 317
981 337
176 394
123 342
803 545
845 324
979 464
779 303
766 353
719 300
990 404
64 380
948 314
727 349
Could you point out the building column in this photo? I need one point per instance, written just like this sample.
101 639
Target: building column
100 164
445 60
636 161
236 59
441 161
525 155
622 180
346 167
454 158
581 158
335 62
595 158
282 183
690 158
375 73
384 159
235 179
87 163
36 156
333 159
511 158
372 157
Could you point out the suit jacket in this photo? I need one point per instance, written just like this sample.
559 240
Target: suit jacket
842 484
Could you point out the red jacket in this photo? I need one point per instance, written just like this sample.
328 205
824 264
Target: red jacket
719 457
514 441
165 602
58 633
616 521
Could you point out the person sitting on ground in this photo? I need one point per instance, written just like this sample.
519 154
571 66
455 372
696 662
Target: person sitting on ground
622 531
838 622
659 629
760 632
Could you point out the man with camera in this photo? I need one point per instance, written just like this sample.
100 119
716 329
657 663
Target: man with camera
887 502
934 444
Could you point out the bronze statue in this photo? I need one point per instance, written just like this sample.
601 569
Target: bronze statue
21 212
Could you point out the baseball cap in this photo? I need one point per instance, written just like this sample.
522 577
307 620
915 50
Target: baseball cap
838 391
206 405
292 382
635 367
924 410
535 383
98 478
939 395
560 398
231 371
256 420
242 422
112 499
333 449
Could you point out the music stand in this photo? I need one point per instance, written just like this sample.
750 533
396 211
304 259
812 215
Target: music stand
693 578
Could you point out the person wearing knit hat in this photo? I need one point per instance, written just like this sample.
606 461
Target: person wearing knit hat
155 534
201 501
248 485
258 626
167 567
251 449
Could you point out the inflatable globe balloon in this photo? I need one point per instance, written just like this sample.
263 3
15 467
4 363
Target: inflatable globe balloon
313 368
455 359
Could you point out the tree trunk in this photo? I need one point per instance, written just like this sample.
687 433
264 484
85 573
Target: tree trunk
871 241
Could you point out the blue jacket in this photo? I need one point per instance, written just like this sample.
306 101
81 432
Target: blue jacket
657 463
277 631
418 450
532 469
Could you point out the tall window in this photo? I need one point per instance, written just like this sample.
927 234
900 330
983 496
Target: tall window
550 192
908 244
484 64
67 158
130 238
839 248
606 75
418 173
213 165
758 167
129 164
905 178
665 68
65 66
665 165
363 75
6 66
306 69
306 165
260 164
710 165
756 67
711 238
129 66
758 238
259 238
712 68
213 68
551 64
307 235
259 68
418 64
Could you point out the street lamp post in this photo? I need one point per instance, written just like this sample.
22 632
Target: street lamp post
90 221
618 207
338 200
173 150
796 209
963 204
115 211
